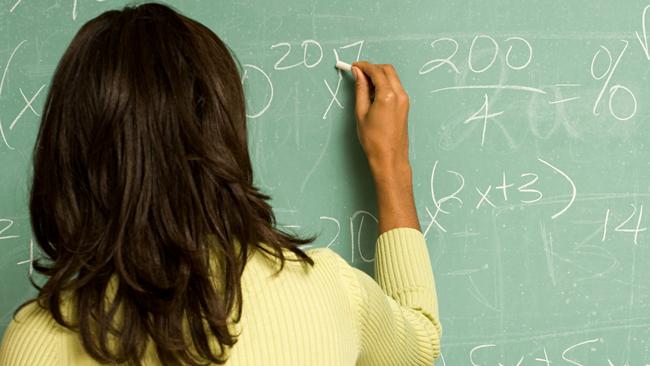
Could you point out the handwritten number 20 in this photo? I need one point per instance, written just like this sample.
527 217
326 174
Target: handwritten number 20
305 52
471 63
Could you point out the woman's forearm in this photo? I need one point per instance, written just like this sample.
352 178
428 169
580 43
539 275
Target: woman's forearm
394 186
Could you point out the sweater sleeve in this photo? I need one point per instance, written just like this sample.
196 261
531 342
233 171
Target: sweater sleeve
397 313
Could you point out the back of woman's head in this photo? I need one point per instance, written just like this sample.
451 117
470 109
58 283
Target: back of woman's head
141 169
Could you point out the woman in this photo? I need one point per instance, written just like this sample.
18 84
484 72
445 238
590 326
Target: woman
162 252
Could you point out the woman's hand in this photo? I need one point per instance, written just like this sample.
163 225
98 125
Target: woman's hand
381 110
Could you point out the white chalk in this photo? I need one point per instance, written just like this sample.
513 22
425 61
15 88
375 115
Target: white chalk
343 66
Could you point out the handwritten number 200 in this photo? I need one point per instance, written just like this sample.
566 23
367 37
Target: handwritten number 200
471 63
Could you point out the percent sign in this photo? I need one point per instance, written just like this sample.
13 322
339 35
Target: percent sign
609 72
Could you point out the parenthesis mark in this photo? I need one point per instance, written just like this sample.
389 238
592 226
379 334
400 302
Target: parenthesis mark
4 138
268 80
573 187
4 73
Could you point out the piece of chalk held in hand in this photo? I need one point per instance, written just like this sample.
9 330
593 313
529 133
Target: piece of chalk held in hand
343 66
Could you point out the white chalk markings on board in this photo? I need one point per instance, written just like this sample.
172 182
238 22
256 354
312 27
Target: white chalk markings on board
74 9
269 82
356 221
356 231
545 359
475 349
576 354
564 354
362 214
539 125
9 223
637 229
4 137
484 197
333 94
612 93
620 100
470 59
11 56
312 56
438 202
605 225
277 65
644 41
611 68
526 186
31 257
622 226
484 115
291 226
5 225
355 44
504 186
305 45
28 104
436 63
559 95
2 82
14 6
573 187
338 229
433 221
523 188
494 49
547 240
492 86
510 48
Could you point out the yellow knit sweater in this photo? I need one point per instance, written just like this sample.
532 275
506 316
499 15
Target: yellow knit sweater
329 314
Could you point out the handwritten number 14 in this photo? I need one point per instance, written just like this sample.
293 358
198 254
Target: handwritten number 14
626 226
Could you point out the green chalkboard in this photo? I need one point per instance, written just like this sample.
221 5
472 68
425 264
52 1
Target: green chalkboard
530 142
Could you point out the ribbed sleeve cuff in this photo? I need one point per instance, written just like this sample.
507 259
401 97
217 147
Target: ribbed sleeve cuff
403 268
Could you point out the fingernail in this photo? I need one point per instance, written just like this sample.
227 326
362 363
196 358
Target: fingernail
354 73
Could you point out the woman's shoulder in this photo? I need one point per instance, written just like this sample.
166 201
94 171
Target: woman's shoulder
330 257
322 256
32 338
323 253
327 263
332 266
32 316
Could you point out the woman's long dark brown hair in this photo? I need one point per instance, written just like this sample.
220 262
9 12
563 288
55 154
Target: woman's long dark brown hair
142 179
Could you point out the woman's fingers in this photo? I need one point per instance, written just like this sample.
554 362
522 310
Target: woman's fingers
362 93
393 79
377 77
